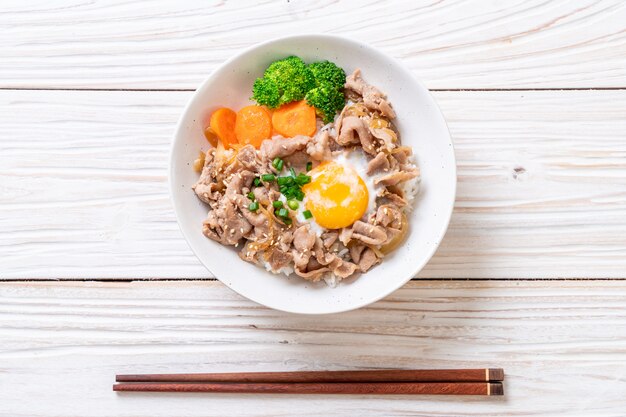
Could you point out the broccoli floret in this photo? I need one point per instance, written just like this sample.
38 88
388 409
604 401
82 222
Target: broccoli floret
328 72
266 93
284 81
327 100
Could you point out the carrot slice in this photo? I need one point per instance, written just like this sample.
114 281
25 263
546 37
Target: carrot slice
253 125
297 118
222 123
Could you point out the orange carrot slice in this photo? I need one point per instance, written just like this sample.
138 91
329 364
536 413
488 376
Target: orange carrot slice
297 118
222 123
253 125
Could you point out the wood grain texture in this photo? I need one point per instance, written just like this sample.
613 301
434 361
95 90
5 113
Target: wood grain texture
541 192
317 388
562 347
378 375
448 44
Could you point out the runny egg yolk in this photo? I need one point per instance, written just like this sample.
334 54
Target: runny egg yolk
336 195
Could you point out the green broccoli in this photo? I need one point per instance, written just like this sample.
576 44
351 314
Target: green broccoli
265 92
327 100
328 72
284 81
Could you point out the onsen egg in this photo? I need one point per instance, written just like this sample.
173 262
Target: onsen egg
336 196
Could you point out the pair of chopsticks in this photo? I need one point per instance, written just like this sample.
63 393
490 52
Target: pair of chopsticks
375 382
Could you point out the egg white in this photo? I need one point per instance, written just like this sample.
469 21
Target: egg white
314 227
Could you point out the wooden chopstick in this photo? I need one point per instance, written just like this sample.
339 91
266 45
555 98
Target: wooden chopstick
387 375
355 388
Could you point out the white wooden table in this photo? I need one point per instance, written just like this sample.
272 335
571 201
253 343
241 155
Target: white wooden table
97 279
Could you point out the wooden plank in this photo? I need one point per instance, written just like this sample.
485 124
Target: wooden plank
451 44
541 193
563 347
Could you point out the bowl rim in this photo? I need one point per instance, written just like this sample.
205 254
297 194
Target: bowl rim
398 64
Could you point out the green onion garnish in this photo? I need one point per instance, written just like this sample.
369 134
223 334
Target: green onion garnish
309 166
268 177
287 220
307 214
283 212
254 206
257 182
293 204
277 204
278 164
291 185
302 179
251 196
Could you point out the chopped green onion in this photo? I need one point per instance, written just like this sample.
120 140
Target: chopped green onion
307 214
254 206
287 220
299 195
257 182
292 172
293 204
283 212
277 204
251 196
268 177
278 164
309 166
284 180
303 179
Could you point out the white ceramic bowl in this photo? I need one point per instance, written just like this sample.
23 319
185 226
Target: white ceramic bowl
421 126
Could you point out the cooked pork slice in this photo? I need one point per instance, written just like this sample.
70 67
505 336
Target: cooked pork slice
368 233
355 130
207 187
313 271
303 239
208 192
303 242
318 148
373 98
396 177
281 147
378 163
402 154
364 257
226 224
341 268
297 160
355 83
389 215
258 219
345 235
395 195
278 259
386 137
329 238
248 158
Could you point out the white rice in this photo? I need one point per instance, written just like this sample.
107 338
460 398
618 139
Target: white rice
411 188
287 270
